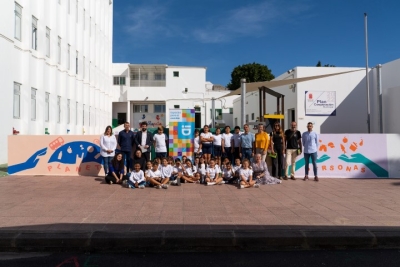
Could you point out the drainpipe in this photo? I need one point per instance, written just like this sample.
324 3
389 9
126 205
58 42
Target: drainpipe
380 99
243 101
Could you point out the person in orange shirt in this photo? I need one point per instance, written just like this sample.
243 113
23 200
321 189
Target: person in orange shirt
262 142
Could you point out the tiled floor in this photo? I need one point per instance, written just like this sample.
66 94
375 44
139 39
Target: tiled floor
87 203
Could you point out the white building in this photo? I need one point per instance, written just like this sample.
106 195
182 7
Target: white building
147 92
56 61
350 99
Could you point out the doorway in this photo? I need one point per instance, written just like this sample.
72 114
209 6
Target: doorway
291 117
197 117
121 118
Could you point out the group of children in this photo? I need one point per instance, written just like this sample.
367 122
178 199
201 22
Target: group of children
160 173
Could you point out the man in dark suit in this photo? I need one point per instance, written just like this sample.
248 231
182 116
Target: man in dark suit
144 140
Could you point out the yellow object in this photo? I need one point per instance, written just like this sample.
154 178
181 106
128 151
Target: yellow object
273 116
262 140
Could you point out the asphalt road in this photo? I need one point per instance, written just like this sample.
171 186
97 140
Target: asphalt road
322 258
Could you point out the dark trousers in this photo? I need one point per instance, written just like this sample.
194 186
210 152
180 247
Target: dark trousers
236 154
127 160
313 157
146 155
228 154
112 178
160 155
277 163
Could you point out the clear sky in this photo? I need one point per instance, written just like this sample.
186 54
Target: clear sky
282 34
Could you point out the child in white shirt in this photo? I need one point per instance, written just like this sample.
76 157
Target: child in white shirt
213 174
228 174
177 173
156 178
246 176
137 179
190 173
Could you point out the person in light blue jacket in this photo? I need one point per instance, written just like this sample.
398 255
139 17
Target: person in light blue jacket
310 144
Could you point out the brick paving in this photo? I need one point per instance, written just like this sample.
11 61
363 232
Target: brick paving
73 204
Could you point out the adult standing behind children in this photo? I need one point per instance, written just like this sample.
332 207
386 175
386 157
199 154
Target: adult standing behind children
277 142
125 142
247 144
108 144
143 140
160 143
310 143
293 149
262 142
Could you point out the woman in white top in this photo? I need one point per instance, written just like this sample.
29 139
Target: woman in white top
217 146
206 139
108 144
160 143
246 176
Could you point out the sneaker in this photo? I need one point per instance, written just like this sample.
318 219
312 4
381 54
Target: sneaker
256 186
210 183
131 186
285 178
305 178
165 186
158 186
175 182
141 186
241 186
223 182
316 178
111 182
292 178
279 182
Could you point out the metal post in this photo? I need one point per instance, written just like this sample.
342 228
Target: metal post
260 107
264 103
213 112
366 73
243 101
380 99
283 112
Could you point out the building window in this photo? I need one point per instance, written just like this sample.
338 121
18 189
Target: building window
140 108
34 33
76 113
218 114
159 108
144 76
119 80
230 110
59 50
252 116
47 107
17 100
47 42
176 106
59 109
135 76
176 73
33 104
69 57
76 62
18 19
159 76
68 111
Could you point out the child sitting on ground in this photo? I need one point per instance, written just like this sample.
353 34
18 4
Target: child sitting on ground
213 174
189 172
136 179
156 179
246 176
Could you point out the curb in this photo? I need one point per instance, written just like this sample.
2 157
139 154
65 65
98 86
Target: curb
193 241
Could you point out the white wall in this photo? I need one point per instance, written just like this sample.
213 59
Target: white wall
351 100
34 69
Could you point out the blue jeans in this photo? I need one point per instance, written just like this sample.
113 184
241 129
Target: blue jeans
314 157
133 185
106 164
127 160
246 154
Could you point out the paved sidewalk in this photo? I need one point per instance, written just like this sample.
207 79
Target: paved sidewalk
42 212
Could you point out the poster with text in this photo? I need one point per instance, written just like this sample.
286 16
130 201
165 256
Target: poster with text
320 103
181 132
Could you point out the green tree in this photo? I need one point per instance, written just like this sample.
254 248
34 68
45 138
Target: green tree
252 72
326 65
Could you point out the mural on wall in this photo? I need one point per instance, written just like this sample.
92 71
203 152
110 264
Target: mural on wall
350 156
153 119
181 132
320 103
64 155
